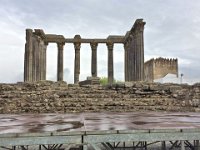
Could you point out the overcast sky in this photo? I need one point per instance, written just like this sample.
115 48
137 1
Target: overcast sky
172 30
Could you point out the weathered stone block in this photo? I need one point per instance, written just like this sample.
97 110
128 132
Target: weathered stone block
129 84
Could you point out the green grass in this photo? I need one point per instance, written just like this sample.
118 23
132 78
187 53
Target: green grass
104 81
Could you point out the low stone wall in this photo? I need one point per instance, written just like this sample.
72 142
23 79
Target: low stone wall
51 97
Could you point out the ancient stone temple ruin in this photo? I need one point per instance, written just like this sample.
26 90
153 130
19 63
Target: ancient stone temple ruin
37 42
159 68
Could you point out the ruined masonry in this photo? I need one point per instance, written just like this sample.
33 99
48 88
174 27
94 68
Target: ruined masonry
37 42
59 97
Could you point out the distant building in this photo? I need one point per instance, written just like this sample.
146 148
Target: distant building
155 69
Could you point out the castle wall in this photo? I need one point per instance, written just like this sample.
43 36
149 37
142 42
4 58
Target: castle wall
148 71
159 68
162 67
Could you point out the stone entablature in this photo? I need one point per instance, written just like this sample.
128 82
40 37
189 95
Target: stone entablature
36 46
159 68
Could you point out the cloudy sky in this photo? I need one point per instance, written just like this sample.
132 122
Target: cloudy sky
172 30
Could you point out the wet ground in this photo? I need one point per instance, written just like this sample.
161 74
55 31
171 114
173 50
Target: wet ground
38 123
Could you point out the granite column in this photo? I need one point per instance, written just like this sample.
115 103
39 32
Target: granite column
94 59
45 60
110 46
28 60
77 46
125 61
60 61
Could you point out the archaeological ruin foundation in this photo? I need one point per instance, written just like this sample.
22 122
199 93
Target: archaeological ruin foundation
37 42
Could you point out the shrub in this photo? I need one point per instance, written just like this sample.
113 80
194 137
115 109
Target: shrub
104 81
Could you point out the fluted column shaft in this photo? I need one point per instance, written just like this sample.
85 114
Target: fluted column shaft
36 59
94 59
125 62
142 55
139 57
77 47
60 62
28 60
110 46
40 59
136 58
140 48
44 60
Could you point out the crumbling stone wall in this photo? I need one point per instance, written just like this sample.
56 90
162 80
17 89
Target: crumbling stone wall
159 68
51 97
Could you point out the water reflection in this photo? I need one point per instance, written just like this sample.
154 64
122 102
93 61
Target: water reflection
38 123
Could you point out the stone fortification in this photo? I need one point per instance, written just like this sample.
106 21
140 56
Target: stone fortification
159 68
51 97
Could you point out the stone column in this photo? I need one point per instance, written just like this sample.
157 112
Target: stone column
142 53
140 49
25 64
128 61
60 62
77 46
135 64
28 60
35 58
137 54
94 59
131 58
41 55
110 46
125 61
45 60
41 60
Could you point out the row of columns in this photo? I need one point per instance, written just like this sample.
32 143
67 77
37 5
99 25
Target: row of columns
35 61
77 47
93 45
35 56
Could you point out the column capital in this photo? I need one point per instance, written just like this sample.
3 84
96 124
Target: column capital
110 45
126 45
60 45
77 45
140 26
46 43
94 45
